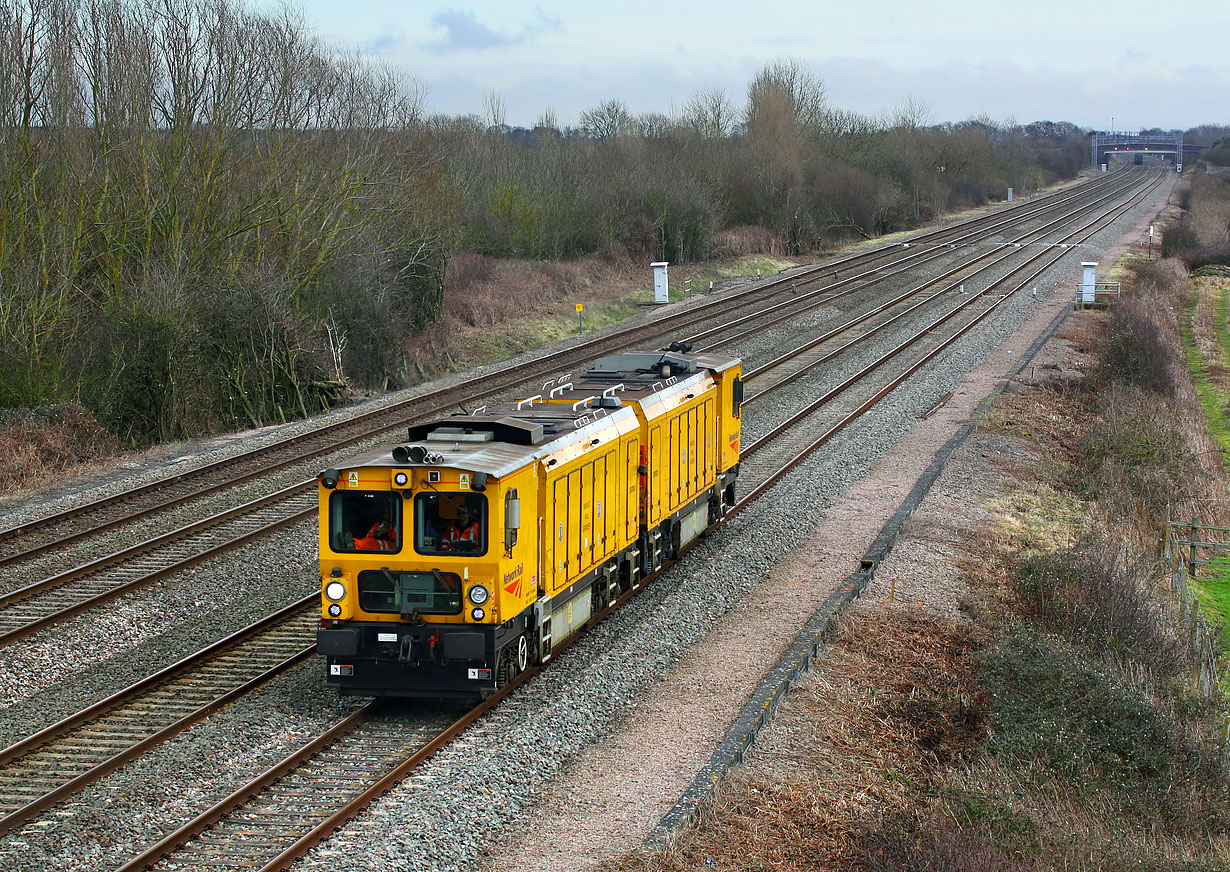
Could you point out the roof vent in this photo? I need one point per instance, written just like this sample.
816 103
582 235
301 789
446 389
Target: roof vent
605 402
459 434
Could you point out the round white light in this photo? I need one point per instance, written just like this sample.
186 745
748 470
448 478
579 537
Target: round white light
335 610
478 614
478 595
400 479
335 591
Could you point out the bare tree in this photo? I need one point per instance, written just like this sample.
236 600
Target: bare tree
654 125
497 111
547 125
911 114
787 85
607 121
154 151
710 113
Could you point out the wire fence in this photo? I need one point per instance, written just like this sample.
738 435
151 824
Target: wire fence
1182 548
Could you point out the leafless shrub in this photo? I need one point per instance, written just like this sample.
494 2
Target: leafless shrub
1092 595
1202 235
466 270
37 446
741 241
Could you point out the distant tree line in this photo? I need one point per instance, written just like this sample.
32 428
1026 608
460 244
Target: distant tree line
666 187
209 220
1219 152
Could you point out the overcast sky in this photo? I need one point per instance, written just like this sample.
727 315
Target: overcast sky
1062 60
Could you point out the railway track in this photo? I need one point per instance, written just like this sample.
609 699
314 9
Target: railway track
31 540
778 313
67 756
798 449
67 594
269 822
799 361
962 272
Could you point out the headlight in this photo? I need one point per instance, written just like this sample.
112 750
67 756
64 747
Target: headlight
478 595
335 610
478 614
400 479
335 591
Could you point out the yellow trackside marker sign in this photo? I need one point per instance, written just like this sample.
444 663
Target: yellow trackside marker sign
580 308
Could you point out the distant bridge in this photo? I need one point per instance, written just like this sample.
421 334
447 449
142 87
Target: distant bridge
1132 144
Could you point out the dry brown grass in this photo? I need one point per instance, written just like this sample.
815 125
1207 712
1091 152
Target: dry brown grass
746 240
499 306
892 707
40 447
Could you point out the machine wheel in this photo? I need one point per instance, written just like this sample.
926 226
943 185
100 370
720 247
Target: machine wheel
514 658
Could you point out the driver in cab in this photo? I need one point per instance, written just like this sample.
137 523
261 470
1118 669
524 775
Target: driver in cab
461 534
381 537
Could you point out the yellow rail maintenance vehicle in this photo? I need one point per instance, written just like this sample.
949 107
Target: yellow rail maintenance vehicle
453 562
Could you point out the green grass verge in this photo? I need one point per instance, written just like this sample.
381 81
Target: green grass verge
1221 311
1213 593
1211 399
1213 587
702 274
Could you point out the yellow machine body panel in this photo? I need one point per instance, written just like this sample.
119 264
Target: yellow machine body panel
681 444
728 412
589 500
